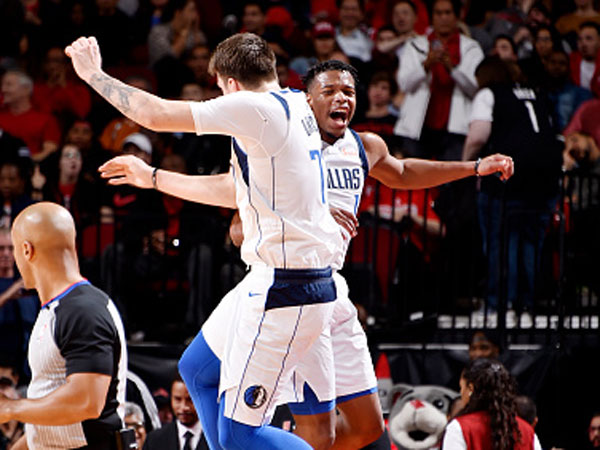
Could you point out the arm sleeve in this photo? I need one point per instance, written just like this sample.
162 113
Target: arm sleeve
86 340
453 437
411 72
536 443
482 107
464 73
253 118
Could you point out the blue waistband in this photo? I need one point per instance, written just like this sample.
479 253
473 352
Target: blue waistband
302 275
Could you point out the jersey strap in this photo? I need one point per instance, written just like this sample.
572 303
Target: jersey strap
361 152
242 159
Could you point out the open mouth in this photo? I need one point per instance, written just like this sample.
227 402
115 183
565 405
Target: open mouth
339 116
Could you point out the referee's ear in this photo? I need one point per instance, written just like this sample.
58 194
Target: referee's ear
28 250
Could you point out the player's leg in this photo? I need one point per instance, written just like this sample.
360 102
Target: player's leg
200 370
359 423
315 420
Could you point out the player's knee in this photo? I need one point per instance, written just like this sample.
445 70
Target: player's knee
323 438
370 431
234 435
317 430
199 365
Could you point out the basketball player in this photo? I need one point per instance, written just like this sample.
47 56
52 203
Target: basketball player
77 350
286 301
331 94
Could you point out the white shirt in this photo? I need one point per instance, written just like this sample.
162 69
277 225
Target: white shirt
587 70
196 430
483 106
355 44
279 176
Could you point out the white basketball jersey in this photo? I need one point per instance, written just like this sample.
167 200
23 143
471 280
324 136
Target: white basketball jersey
347 168
279 176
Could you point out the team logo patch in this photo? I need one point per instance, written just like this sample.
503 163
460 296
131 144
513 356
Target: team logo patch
255 396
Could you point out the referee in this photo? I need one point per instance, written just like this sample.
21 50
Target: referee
77 350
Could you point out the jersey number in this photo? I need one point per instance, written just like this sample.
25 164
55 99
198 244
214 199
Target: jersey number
532 116
316 154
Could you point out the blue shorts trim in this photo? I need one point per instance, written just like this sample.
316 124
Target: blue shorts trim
297 287
311 404
345 398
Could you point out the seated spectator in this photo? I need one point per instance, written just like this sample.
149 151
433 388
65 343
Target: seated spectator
594 431
534 67
489 418
186 431
196 60
254 20
134 419
404 18
564 95
581 153
13 190
527 410
57 93
178 32
437 75
288 78
504 48
584 63
585 122
381 116
381 61
39 130
484 344
325 48
353 41
81 135
584 12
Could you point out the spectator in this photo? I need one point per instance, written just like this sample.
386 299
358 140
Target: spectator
594 431
489 419
13 190
581 152
534 67
484 344
134 419
138 144
564 95
196 59
81 135
585 70
515 121
105 20
527 410
325 48
404 18
584 12
178 32
353 41
437 74
582 128
475 17
381 116
504 48
254 20
57 93
11 431
186 431
37 129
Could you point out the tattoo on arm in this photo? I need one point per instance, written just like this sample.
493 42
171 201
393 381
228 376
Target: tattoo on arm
117 93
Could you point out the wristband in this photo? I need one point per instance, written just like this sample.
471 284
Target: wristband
476 167
154 185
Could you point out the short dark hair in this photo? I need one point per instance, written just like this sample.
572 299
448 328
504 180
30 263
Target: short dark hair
171 8
361 4
455 7
408 2
387 77
261 5
590 24
510 40
327 66
246 58
526 409
493 71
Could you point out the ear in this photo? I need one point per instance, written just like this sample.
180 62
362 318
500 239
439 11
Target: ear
233 85
28 250
309 98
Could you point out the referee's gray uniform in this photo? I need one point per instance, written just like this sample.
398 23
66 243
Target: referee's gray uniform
78 331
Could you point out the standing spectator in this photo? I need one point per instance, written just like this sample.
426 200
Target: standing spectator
517 121
178 32
564 95
353 41
584 12
114 31
325 47
57 93
585 67
39 130
594 431
489 419
134 419
183 433
437 74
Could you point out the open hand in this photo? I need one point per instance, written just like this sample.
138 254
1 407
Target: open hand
127 169
345 219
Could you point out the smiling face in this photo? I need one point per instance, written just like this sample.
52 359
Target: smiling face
332 96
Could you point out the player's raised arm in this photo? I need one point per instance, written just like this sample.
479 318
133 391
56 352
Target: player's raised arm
413 173
146 109
215 190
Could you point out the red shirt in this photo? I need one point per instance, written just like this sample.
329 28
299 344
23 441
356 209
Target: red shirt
575 59
442 85
33 127
72 98
477 434
585 120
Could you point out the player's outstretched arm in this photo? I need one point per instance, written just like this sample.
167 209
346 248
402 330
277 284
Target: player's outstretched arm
81 398
413 173
215 190
142 107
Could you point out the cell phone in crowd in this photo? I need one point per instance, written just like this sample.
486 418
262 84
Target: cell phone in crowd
436 44
126 439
